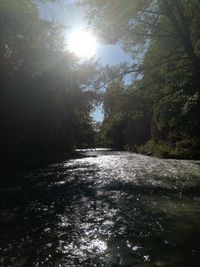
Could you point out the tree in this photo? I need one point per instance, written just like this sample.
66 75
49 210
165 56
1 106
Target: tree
135 24
127 119
164 37
44 105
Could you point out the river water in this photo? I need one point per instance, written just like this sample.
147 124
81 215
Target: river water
104 209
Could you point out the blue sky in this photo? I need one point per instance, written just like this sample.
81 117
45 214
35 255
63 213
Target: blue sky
70 15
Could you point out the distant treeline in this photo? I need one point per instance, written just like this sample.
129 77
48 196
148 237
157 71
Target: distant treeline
159 112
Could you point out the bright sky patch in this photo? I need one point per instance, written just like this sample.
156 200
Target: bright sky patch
82 43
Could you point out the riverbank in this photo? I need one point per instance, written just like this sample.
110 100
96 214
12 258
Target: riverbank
151 148
181 150
32 162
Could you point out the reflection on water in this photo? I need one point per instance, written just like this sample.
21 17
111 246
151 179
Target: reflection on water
106 209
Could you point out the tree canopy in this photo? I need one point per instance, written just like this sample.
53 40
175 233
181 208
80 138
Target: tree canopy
163 37
45 99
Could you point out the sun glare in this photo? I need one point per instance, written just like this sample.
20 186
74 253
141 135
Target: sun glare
82 43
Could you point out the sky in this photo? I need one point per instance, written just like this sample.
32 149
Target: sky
71 16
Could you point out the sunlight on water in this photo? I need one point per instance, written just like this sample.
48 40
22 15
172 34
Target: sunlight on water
86 246
109 209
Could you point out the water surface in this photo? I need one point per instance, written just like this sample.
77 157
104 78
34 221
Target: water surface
105 209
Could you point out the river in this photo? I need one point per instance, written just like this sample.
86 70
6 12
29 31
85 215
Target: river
103 209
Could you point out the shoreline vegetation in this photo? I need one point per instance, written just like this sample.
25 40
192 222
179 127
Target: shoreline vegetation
162 150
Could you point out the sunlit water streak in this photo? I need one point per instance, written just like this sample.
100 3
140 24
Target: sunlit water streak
105 209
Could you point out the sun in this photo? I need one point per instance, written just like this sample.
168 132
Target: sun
82 43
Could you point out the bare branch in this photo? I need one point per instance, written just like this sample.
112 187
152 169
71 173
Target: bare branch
138 69
150 34
154 26
154 12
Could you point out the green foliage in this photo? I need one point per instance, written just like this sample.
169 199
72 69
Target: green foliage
155 149
127 120
186 148
163 104
44 111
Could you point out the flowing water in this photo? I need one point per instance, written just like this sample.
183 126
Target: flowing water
104 209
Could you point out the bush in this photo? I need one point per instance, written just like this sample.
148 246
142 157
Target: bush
155 149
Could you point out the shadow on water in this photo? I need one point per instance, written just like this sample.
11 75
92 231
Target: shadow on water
77 214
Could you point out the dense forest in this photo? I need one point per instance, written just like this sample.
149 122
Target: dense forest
45 97
47 94
159 112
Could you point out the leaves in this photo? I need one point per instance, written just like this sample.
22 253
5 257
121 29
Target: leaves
44 111
163 101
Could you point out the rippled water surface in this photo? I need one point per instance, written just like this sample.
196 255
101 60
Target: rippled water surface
105 209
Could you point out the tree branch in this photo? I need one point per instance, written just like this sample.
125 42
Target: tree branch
154 26
150 34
